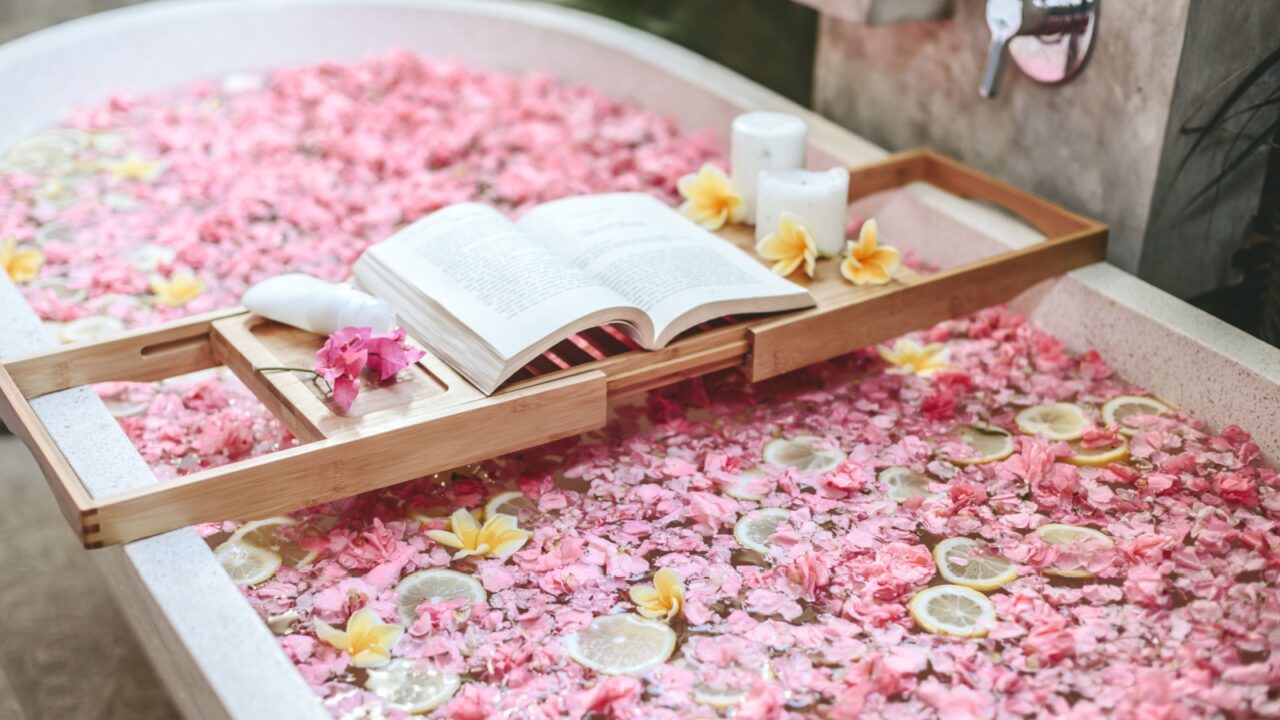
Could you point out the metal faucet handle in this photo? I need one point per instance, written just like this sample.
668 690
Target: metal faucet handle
1004 18
1048 39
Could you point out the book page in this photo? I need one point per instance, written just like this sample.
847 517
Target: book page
506 286
651 255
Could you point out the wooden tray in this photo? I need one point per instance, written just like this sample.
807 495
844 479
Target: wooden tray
432 420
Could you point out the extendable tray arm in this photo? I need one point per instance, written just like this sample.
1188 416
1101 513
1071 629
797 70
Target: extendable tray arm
432 420
845 324
461 426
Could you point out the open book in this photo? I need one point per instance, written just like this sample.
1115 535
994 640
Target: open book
488 295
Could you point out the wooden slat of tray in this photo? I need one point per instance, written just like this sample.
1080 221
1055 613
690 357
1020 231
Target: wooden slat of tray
433 419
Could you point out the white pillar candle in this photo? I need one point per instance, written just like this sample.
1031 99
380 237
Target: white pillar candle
819 198
764 141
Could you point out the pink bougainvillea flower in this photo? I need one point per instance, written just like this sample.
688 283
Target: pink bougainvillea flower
389 354
341 360
345 391
345 353
351 350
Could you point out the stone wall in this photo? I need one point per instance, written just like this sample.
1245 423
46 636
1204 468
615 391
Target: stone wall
1105 143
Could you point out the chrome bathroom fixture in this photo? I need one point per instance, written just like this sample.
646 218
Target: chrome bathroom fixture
1049 40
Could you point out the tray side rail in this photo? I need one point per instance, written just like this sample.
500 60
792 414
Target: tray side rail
68 491
336 468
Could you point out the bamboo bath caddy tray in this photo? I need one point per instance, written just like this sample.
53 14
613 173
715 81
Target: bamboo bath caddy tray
432 420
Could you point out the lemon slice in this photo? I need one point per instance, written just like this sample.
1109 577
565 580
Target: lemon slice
1063 534
1077 538
718 697
508 503
952 610
150 257
60 288
262 533
436 585
1097 457
800 453
1059 421
739 488
412 686
1118 409
622 644
247 564
990 444
903 483
753 530
91 327
967 562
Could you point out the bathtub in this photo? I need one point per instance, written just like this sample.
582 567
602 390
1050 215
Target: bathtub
214 654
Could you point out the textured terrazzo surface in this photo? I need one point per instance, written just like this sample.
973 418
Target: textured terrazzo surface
1106 144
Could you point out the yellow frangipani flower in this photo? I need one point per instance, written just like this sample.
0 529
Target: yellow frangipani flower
20 265
367 639
133 167
499 537
868 263
177 290
789 246
710 198
910 357
663 599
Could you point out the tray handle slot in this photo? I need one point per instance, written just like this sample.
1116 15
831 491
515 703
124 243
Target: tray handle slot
794 341
154 353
